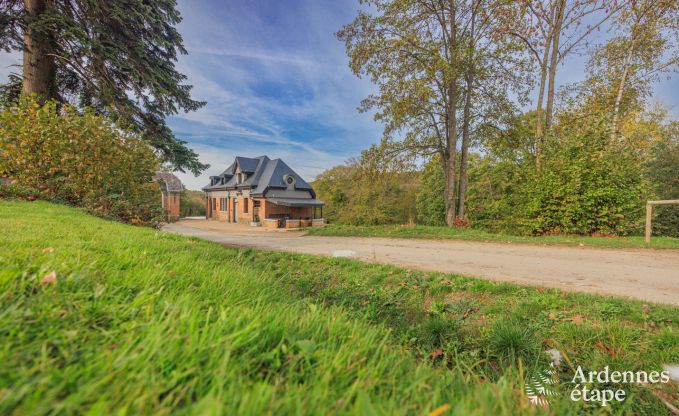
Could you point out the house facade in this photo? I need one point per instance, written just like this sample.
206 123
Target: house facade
262 191
170 192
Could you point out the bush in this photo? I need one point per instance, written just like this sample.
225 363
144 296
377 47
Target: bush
79 158
430 205
587 186
663 170
192 203
374 189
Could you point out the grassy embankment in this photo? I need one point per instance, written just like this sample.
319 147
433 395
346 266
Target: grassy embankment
470 234
140 321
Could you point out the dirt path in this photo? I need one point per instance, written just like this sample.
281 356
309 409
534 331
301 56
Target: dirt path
651 275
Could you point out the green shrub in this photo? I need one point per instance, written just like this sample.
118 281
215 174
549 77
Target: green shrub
431 208
587 186
17 191
663 170
79 158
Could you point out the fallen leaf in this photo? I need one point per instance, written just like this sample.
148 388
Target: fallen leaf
577 319
48 250
439 410
436 353
541 289
605 348
552 316
49 279
445 282
469 311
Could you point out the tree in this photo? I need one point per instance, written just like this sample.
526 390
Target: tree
552 29
114 56
643 51
494 69
418 53
372 189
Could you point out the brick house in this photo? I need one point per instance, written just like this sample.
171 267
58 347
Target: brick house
170 189
262 191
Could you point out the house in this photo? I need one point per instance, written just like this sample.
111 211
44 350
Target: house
170 189
262 191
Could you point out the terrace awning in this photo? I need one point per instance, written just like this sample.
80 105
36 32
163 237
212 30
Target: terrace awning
296 202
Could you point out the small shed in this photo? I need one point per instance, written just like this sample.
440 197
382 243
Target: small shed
170 188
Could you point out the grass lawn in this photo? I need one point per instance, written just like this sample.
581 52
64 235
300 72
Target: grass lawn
141 321
428 232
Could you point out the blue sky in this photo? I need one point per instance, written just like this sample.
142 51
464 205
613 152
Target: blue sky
277 83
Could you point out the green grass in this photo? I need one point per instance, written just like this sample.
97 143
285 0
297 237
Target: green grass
140 321
471 234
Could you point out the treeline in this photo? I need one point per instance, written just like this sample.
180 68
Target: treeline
454 79
586 185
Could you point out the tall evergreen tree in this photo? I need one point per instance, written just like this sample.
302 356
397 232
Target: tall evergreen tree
116 56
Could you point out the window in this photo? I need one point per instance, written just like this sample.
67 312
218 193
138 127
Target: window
213 203
222 204
245 205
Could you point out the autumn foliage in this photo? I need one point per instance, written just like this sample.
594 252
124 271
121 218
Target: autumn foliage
80 158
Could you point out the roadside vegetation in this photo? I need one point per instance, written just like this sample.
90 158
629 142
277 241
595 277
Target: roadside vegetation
453 82
56 152
100 317
474 234
192 203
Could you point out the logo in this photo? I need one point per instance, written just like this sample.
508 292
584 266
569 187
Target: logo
539 389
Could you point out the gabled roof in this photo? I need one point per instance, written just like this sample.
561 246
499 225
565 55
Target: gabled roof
262 173
170 182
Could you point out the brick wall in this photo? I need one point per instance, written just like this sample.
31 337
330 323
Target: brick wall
265 210
171 205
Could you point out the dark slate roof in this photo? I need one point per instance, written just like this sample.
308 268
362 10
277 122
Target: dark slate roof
248 165
169 181
262 173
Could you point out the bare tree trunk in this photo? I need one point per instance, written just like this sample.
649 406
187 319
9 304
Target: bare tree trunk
451 156
621 89
449 199
539 139
464 153
469 82
451 125
549 111
38 65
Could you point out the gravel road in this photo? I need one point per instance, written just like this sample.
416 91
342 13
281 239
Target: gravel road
650 275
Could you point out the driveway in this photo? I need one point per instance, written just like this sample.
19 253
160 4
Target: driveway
650 275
